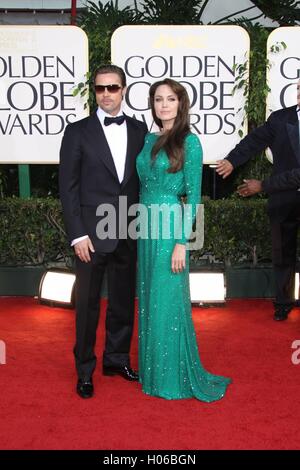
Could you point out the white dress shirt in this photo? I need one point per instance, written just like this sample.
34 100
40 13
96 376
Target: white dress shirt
116 136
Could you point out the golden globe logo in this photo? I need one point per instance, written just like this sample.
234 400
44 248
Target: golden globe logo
48 92
39 66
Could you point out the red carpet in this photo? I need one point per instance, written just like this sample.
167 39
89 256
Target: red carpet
40 409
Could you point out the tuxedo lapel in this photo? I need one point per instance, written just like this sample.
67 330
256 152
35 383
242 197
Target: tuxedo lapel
100 144
293 132
131 152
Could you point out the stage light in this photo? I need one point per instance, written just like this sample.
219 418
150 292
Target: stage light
57 288
207 287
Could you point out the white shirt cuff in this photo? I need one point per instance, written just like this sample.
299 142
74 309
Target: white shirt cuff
76 240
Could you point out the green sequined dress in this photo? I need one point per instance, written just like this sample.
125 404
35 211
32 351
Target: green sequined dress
169 363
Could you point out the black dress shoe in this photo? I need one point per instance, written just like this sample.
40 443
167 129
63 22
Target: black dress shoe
125 372
85 388
281 313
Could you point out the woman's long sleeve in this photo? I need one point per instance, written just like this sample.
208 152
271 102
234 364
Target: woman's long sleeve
193 178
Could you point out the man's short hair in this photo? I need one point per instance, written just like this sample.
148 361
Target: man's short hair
110 68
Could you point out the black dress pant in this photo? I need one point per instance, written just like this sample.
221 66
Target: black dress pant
121 276
284 255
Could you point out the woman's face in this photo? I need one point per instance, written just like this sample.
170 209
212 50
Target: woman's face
166 105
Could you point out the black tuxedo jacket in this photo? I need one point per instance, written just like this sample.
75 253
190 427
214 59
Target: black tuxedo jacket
281 134
282 182
88 177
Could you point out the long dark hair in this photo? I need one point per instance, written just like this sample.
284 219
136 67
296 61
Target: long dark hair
172 141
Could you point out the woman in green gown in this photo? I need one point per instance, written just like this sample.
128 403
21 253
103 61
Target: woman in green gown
169 167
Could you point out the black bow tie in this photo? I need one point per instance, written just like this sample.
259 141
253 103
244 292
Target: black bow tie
114 120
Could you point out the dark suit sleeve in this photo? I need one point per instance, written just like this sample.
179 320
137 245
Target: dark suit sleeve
69 182
282 182
144 128
255 142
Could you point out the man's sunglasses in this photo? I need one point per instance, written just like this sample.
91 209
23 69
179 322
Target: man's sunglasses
110 88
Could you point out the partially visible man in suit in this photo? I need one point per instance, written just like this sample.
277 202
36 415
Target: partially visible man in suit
275 183
97 167
281 134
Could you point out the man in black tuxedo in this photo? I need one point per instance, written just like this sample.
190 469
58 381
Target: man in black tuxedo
281 134
97 167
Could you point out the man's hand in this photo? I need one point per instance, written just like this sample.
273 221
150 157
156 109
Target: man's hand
82 249
249 187
224 168
178 258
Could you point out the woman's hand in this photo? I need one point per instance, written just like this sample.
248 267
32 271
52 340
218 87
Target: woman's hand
178 258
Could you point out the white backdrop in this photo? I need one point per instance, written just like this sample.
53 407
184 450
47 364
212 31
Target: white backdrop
39 66
284 71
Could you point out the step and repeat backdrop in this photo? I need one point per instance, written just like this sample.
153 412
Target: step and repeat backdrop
41 65
283 72
204 60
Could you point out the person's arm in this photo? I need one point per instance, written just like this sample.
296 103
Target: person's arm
253 143
69 182
282 182
192 170
250 187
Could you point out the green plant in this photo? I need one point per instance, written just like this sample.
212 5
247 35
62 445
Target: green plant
254 86
170 12
82 88
32 232
99 21
236 230
278 46
286 12
3 180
